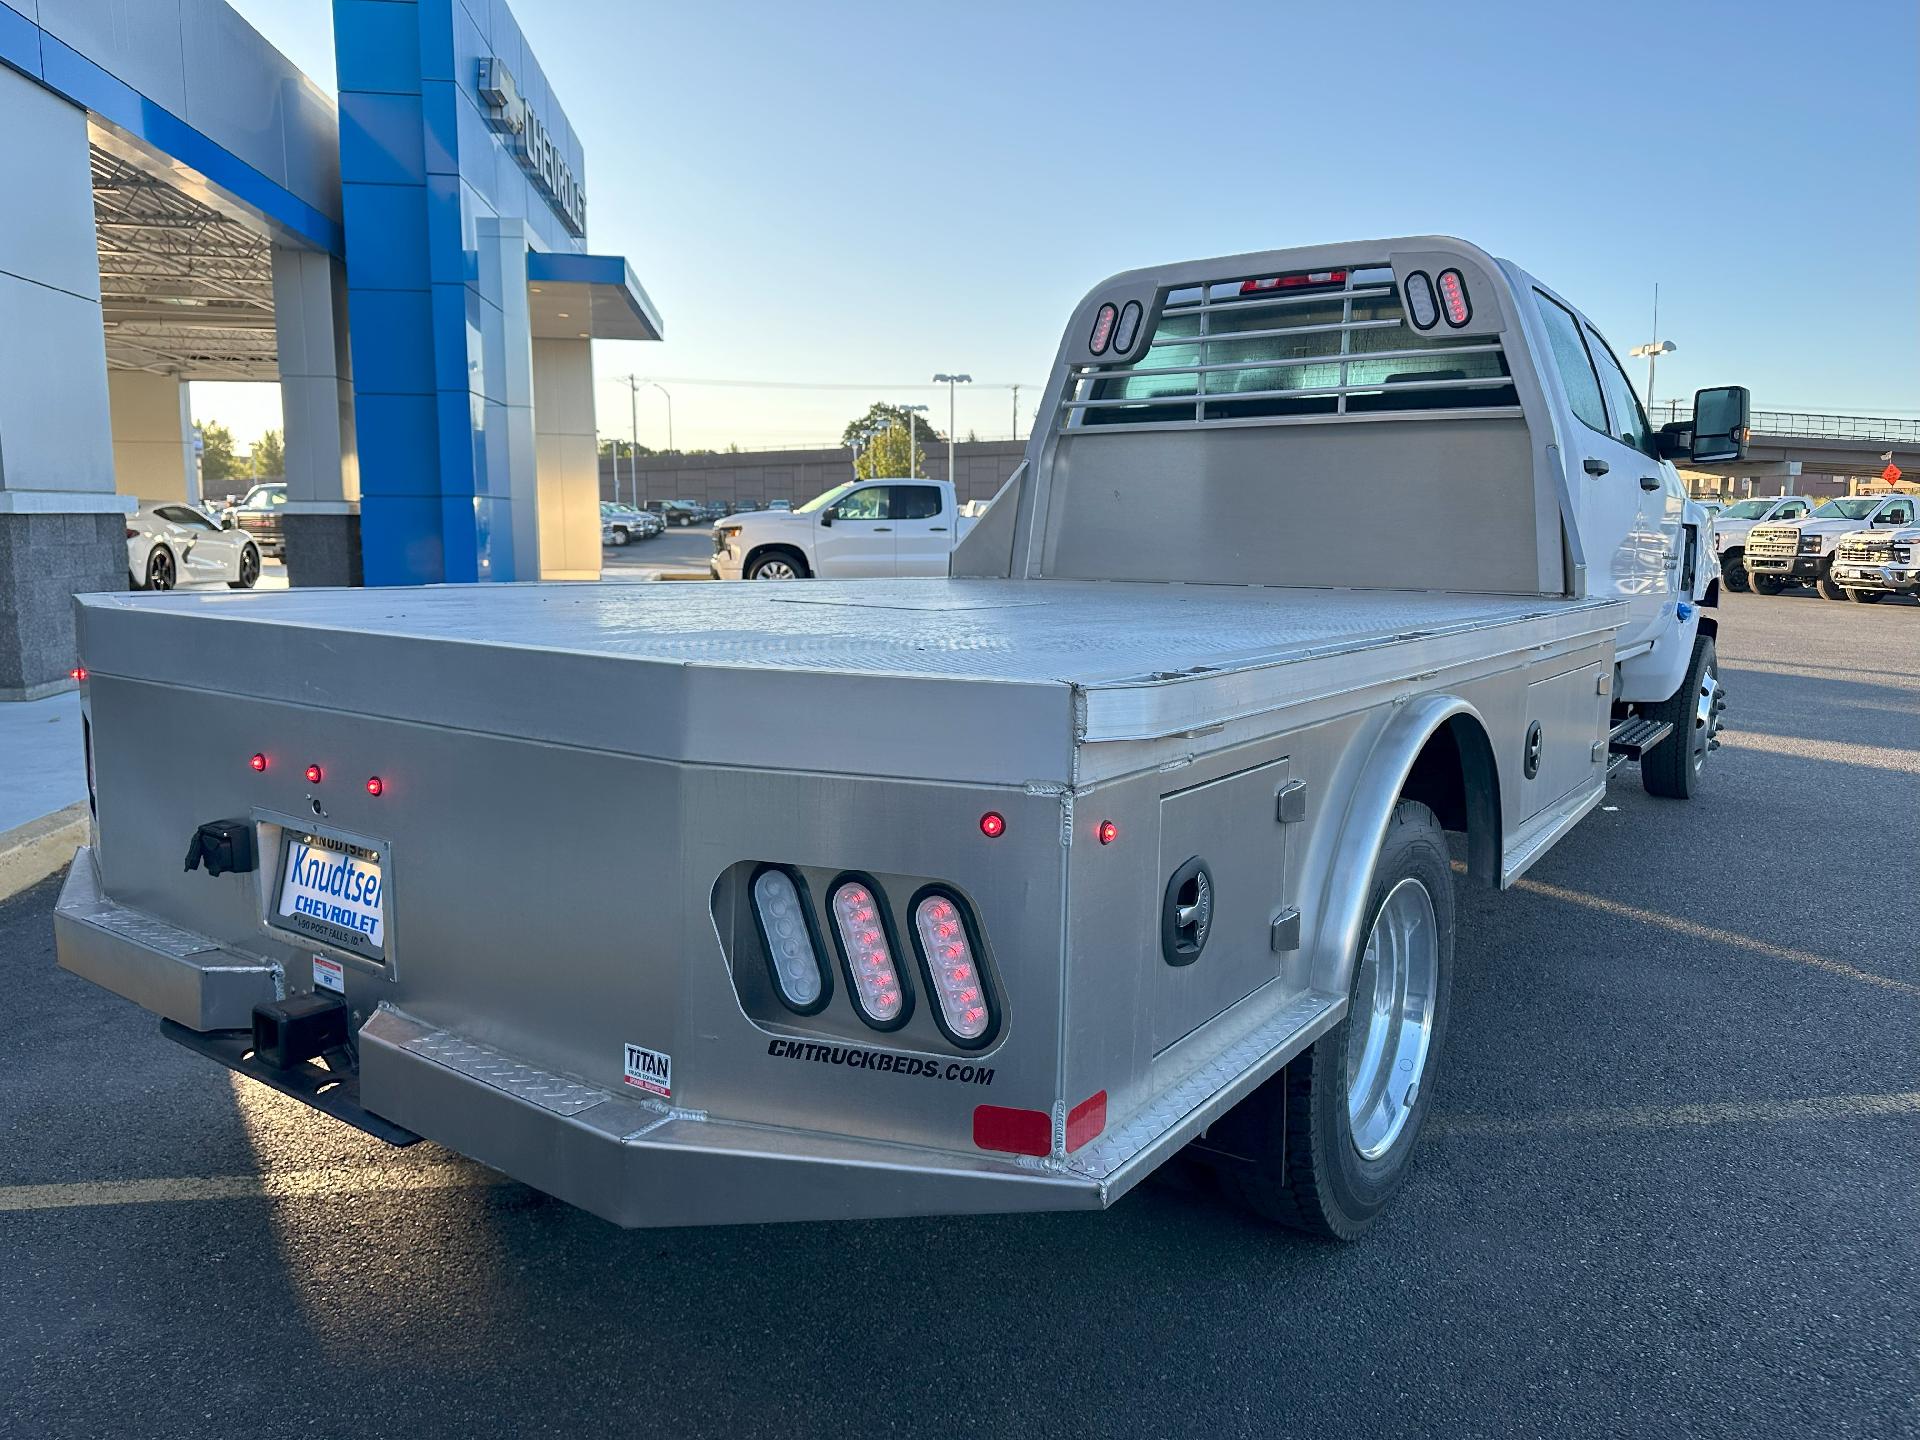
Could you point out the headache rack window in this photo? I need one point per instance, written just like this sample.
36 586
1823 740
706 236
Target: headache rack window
1338 348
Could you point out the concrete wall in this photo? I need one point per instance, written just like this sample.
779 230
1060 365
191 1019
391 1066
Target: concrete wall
755 477
152 437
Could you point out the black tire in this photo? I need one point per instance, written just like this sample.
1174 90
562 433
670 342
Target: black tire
1673 768
1828 587
1733 571
1765 584
1299 1165
249 570
620 538
162 574
768 563
1865 597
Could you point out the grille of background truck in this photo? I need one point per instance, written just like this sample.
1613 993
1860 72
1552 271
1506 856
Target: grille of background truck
1774 546
1337 349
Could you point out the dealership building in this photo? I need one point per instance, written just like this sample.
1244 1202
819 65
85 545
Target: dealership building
408 261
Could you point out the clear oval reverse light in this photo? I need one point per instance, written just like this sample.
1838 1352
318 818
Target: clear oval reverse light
789 940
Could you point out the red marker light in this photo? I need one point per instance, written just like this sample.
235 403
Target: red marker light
375 786
78 673
1453 298
313 774
258 762
1108 832
993 825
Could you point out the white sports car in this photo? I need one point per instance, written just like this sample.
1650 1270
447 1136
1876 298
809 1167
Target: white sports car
175 544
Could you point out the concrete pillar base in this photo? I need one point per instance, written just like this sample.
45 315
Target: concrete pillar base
45 560
322 549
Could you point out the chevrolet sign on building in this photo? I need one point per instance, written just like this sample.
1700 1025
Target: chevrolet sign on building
533 147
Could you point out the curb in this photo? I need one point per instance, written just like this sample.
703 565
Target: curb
31 852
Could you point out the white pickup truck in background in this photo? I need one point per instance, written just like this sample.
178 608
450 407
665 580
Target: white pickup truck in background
864 529
1733 524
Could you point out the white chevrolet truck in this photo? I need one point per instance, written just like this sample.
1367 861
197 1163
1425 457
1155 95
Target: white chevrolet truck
1870 564
1733 524
1803 551
861 530
983 892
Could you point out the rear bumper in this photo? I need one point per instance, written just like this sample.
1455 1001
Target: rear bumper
173 972
631 1161
639 1163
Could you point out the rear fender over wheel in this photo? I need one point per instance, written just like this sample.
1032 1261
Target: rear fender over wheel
1326 1144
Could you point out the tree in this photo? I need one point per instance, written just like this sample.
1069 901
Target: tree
886 452
623 449
217 461
269 459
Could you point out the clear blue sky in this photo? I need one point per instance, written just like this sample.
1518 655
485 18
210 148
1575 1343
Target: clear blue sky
866 193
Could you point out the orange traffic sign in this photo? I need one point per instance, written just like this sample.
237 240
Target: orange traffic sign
1891 474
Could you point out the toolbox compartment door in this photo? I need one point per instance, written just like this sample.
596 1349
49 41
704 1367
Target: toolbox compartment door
1232 825
1570 711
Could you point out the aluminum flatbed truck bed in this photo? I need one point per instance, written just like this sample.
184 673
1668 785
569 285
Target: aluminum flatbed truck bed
749 901
680 731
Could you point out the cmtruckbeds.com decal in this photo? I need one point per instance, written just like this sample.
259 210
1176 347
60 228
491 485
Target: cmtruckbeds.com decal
956 1070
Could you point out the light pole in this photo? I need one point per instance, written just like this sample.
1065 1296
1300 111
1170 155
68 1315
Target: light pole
950 381
633 452
669 394
1654 348
912 463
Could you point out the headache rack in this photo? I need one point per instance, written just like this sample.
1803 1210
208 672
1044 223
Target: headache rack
1294 347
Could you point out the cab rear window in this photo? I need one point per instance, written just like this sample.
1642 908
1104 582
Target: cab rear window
1228 351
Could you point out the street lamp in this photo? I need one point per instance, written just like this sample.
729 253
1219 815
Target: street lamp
1652 352
664 391
950 381
1653 349
910 411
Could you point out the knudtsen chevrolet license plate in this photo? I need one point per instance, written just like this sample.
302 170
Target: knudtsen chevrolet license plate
335 892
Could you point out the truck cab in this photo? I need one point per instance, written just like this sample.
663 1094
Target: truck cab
1802 551
1736 521
860 530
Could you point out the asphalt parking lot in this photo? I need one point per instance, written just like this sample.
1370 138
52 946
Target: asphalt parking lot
1673 1187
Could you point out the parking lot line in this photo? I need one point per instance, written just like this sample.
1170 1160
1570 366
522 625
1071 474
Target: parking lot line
1697 931
317 1183
1674 1117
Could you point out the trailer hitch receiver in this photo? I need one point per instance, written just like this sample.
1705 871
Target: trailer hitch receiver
290 1032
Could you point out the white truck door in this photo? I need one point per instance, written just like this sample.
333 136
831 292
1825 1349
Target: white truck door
859 544
923 530
1656 484
1602 472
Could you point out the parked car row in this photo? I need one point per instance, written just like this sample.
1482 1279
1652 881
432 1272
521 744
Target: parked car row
622 524
1853 547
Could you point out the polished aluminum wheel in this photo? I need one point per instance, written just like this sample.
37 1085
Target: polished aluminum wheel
1390 1027
1706 715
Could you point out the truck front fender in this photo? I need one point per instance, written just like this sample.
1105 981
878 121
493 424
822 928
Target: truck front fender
1382 769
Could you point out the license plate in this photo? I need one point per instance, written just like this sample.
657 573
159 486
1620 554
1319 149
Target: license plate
333 891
